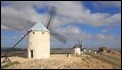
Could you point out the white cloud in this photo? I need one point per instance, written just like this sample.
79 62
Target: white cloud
14 16
17 14
100 19
73 33
3 27
101 36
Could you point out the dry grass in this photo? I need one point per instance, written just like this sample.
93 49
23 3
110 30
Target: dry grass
9 64
61 61
109 59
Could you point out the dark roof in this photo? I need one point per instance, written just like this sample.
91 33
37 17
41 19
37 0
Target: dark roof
76 46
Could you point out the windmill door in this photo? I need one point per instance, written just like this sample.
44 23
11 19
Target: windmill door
31 53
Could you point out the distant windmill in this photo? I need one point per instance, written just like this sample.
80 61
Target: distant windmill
39 38
80 44
77 48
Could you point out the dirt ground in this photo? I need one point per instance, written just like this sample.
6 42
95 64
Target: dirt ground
60 61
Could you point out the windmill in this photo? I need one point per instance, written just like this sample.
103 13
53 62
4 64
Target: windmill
46 34
80 44
77 48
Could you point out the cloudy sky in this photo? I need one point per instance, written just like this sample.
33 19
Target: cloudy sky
96 23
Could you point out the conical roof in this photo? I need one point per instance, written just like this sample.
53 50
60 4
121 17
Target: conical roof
76 46
39 27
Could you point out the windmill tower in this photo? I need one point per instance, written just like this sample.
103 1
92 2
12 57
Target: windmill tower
77 49
39 42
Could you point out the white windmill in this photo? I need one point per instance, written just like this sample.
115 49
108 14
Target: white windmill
39 42
77 49
39 39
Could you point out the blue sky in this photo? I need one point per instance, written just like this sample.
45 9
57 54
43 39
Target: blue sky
99 8
95 23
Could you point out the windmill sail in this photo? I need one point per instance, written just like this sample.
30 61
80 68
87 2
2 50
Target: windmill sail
79 43
51 15
6 55
49 23
20 40
58 36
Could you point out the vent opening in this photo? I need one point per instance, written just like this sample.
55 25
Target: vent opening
33 32
42 32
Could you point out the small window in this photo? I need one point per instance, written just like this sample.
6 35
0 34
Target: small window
42 32
33 32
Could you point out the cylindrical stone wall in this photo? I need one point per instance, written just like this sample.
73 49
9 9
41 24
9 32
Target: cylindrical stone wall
38 45
77 51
